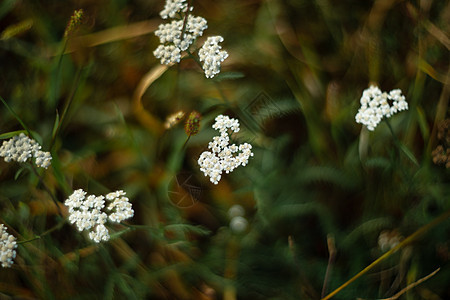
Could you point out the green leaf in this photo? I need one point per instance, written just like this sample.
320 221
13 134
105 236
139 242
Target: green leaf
119 233
409 154
15 115
9 135
109 287
228 75
123 286
200 230
424 128
18 173
370 226
378 162
55 125
6 6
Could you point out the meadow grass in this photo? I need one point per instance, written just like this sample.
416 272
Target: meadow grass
328 208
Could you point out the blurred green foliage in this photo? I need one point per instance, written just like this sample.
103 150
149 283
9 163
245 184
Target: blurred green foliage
316 174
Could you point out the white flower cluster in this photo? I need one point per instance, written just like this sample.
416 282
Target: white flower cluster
170 34
212 56
177 36
20 148
87 212
375 106
172 8
7 247
224 157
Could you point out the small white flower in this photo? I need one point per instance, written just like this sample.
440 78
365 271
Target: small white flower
100 234
8 247
88 213
171 41
168 54
20 148
120 205
375 106
172 8
224 157
212 56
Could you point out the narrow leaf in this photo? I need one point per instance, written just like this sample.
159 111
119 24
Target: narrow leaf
6 6
9 135
188 228
228 75
55 125
18 173
409 154
15 115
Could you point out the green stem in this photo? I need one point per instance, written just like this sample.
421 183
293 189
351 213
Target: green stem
222 94
405 242
183 29
67 106
400 146
17 117
391 130
185 143
57 226
52 99
46 188
136 227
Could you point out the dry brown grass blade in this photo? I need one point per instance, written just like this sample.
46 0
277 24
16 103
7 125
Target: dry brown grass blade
441 111
19 292
125 251
86 251
379 12
111 35
430 71
412 285
145 117
438 34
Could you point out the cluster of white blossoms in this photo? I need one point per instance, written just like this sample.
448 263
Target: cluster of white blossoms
212 56
8 247
172 8
223 156
87 213
375 106
20 148
179 34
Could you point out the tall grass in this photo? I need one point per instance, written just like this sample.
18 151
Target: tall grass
98 99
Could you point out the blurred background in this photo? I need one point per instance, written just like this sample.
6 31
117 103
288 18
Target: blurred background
321 192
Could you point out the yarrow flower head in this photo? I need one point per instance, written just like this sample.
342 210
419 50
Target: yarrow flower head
20 148
177 36
375 106
180 34
172 8
171 32
87 213
8 247
211 55
224 157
